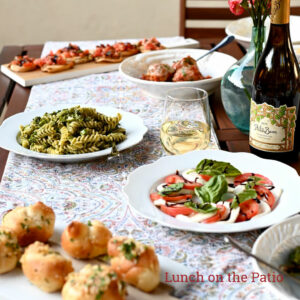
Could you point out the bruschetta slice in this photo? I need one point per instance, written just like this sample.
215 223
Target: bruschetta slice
73 53
126 49
22 64
107 53
53 63
151 44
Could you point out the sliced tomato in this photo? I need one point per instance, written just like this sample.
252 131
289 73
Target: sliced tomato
177 198
191 185
205 177
155 196
262 191
176 210
171 179
218 216
243 177
248 210
241 218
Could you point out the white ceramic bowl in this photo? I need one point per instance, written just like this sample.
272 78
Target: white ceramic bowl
241 30
214 65
274 246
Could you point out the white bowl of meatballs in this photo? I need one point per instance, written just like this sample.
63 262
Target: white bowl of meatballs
157 72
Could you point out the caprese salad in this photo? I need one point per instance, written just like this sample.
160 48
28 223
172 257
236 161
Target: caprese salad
215 191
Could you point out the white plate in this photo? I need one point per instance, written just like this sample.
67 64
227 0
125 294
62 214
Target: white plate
274 246
135 130
214 65
14 285
241 29
145 178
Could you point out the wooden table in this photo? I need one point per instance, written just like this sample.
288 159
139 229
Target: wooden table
16 97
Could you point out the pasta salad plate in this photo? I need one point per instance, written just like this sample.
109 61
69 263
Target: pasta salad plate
214 191
70 133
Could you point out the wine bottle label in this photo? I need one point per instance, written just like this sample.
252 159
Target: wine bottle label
272 129
280 12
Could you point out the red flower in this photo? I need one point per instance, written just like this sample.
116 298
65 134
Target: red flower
235 7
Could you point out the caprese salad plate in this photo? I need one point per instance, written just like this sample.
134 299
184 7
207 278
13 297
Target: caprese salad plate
214 191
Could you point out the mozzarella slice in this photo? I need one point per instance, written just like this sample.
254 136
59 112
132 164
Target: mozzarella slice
192 176
264 209
161 187
199 217
159 202
277 193
233 216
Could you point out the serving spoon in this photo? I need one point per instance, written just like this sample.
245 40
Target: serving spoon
223 43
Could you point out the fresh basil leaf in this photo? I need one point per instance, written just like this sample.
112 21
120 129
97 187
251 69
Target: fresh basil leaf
213 190
214 167
247 194
252 181
201 208
172 188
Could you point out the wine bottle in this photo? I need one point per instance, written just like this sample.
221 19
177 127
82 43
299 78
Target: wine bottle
274 114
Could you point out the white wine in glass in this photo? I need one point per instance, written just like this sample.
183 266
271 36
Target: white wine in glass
186 125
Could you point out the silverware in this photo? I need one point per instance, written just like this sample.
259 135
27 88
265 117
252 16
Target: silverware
223 43
235 244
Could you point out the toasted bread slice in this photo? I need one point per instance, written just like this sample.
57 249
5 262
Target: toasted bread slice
129 52
17 68
57 68
108 59
143 50
79 60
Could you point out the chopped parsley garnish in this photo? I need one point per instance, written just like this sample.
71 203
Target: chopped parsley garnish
127 249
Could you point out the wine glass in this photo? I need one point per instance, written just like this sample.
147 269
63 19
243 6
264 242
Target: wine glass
186 120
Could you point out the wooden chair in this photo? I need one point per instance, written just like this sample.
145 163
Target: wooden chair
208 18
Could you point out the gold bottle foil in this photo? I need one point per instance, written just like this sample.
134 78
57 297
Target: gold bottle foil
280 12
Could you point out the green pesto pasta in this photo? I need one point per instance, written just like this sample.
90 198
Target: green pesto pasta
74 130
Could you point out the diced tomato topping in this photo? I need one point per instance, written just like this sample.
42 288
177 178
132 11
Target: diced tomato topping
28 64
171 179
262 191
243 177
218 216
205 177
248 210
177 198
155 196
176 210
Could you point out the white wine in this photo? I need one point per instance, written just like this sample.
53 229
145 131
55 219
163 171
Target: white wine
179 137
274 115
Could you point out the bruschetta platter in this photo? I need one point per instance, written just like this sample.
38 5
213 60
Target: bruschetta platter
71 60
49 259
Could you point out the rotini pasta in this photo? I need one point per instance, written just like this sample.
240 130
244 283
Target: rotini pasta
75 130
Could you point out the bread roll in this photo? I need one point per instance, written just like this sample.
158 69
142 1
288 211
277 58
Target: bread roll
85 241
94 282
31 223
57 68
44 267
9 250
134 262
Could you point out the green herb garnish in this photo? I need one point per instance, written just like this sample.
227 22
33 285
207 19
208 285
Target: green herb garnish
247 194
172 188
127 249
201 208
214 167
213 190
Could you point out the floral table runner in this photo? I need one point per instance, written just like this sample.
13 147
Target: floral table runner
93 190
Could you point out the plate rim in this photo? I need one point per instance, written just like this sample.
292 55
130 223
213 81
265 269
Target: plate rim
67 158
207 229
255 246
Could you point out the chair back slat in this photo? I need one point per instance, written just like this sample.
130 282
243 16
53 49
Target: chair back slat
208 18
